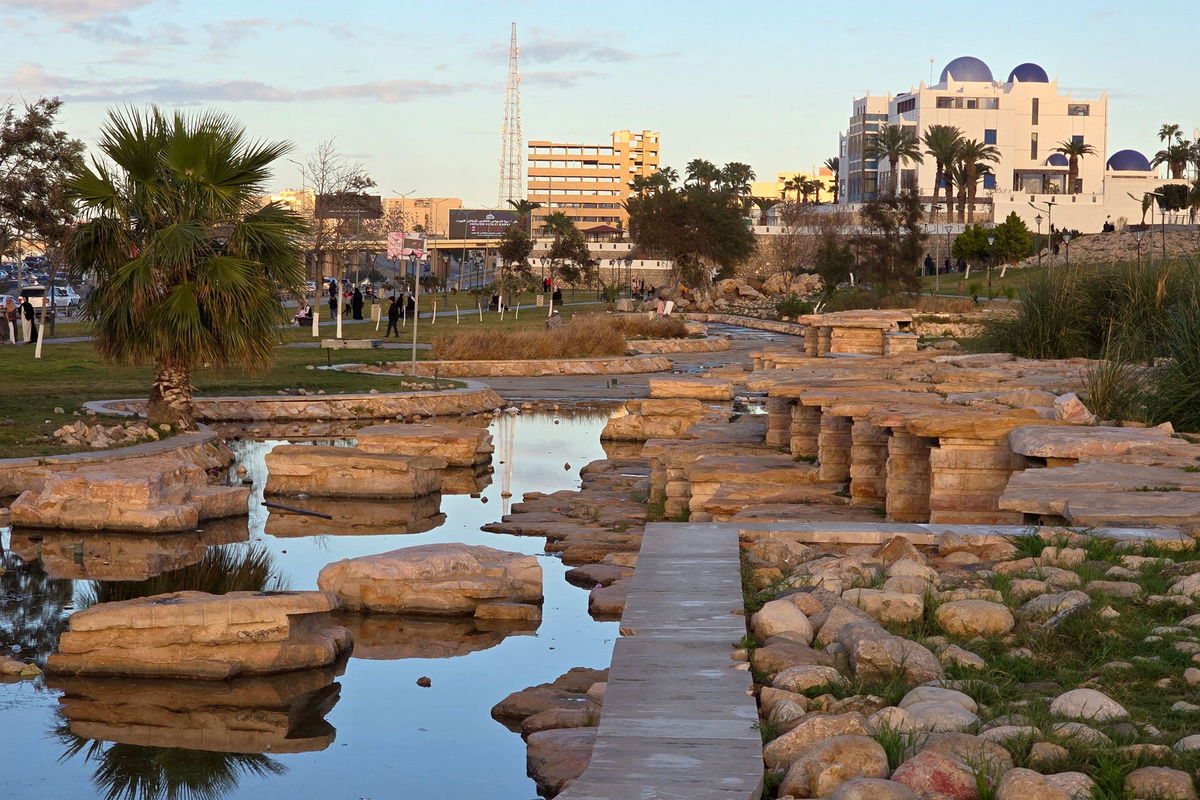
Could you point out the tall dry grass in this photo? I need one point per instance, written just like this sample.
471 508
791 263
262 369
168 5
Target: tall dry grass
643 326
585 336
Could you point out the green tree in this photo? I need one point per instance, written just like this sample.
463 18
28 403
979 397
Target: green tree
975 157
189 269
1169 131
833 260
525 209
515 249
764 204
972 245
942 143
896 143
735 177
1173 196
35 163
1013 240
1176 156
701 172
893 242
1073 150
570 260
834 165
697 227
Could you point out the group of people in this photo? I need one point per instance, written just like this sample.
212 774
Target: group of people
932 269
17 315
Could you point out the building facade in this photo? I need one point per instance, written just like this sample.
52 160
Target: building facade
858 174
778 189
430 215
589 182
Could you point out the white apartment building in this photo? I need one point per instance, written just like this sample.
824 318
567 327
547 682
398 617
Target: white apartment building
1025 117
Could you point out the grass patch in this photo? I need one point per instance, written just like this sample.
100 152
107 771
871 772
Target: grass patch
642 326
590 336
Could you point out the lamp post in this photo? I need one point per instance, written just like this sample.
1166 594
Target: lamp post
937 281
991 243
1138 233
1162 219
1049 209
629 273
412 259
1067 241
1038 220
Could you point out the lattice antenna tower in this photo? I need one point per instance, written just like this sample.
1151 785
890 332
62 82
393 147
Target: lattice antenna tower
511 144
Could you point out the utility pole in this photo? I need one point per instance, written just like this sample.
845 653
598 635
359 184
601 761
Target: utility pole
511 145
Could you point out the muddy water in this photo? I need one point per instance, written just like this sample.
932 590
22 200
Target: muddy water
369 732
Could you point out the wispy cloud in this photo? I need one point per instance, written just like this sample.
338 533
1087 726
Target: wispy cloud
543 47
74 10
225 35
561 79
169 91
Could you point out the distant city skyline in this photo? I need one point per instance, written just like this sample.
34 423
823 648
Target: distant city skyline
415 91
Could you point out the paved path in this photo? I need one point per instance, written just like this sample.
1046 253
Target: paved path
678 721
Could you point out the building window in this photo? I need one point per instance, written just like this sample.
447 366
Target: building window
904 106
1078 109
1077 139
989 180
1033 146
1033 112
989 135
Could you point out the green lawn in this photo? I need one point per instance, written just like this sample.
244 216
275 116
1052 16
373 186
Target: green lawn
954 283
70 374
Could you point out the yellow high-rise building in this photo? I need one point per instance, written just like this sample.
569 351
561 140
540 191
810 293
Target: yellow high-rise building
589 182
779 189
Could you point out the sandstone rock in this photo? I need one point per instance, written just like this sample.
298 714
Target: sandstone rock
875 654
1077 730
931 775
783 751
782 553
802 678
1070 408
1047 752
825 766
872 789
691 387
778 653
350 472
555 758
887 607
1160 783
910 568
1045 606
1087 704
1188 586
953 654
836 619
929 715
1025 784
1188 743
780 616
975 751
969 618
457 445
443 579
923 694
204 636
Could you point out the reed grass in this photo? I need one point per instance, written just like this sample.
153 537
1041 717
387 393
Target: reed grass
585 336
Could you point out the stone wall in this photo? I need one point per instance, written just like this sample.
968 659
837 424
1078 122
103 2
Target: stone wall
710 345
616 365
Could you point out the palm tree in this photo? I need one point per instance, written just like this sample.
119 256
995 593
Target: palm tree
701 172
668 174
895 143
764 204
1168 132
956 179
525 209
834 164
736 176
1176 156
795 184
189 269
942 143
974 155
815 186
1073 150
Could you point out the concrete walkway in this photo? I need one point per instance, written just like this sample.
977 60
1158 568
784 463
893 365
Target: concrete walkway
678 719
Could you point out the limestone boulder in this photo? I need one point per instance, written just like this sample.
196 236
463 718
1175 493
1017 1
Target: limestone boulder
690 387
1025 784
887 607
200 635
872 789
875 654
806 676
1088 704
457 445
1161 783
439 579
930 774
555 758
781 616
936 716
783 751
350 472
1045 606
640 420
825 766
970 618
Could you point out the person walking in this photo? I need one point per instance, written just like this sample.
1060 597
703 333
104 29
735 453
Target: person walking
928 264
356 303
29 327
393 318
557 296
333 299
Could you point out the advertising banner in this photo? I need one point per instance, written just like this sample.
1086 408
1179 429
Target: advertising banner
480 223
348 205
403 245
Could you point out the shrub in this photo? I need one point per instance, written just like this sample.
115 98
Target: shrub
792 306
586 336
643 326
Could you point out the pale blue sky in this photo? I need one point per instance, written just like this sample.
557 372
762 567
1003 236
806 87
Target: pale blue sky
415 90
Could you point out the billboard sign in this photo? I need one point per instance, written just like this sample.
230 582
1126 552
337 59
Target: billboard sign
403 245
480 223
348 205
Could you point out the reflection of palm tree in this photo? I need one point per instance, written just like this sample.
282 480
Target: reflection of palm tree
135 772
32 607
231 568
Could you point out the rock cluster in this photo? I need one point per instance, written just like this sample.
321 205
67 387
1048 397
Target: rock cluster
326 471
81 435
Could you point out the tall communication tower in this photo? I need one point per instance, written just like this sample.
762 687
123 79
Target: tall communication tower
511 145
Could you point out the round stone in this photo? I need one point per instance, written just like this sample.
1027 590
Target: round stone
969 618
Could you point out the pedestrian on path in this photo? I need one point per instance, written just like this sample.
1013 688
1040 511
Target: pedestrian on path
333 299
393 318
28 326
356 303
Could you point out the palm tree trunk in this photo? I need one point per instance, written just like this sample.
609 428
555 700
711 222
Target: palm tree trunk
895 187
171 396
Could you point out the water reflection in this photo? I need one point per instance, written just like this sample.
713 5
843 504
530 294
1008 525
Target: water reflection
232 568
33 608
122 556
357 517
385 637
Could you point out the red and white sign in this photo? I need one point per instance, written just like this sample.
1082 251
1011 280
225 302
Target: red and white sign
403 245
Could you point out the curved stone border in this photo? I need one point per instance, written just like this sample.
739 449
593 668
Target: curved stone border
19 474
793 328
473 398
710 345
615 365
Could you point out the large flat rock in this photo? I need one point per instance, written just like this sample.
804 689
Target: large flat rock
696 388
1087 442
459 445
438 579
349 472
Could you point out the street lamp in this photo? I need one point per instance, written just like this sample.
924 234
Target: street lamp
1049 209
991 243
629 273
1038 220
1138 233
1067 241
937 282
1162 218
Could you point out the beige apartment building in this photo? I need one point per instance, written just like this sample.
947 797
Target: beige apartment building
589 182
430 214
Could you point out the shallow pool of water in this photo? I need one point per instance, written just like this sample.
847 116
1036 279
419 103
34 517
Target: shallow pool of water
384 736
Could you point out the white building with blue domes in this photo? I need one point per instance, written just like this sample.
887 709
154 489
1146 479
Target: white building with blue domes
1025 117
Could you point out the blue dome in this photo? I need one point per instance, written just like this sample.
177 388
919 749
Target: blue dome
1129 161
967 68
1057 160
1028 73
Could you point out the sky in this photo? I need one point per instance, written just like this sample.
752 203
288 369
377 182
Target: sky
415 90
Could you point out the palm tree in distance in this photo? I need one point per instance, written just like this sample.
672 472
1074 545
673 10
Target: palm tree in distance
942 143
701 173
189 269
764 204
669 174
895 143
735 177
956 179
1073 150
525 209
1169 131
1176 156
974 155
834 165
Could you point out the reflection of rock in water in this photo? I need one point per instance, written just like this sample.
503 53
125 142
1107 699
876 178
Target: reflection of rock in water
357 517
270 714
384 637
621 451
466 480
33 607
123 556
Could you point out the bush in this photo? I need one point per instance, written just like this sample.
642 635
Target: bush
587 336
793 306
643 326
